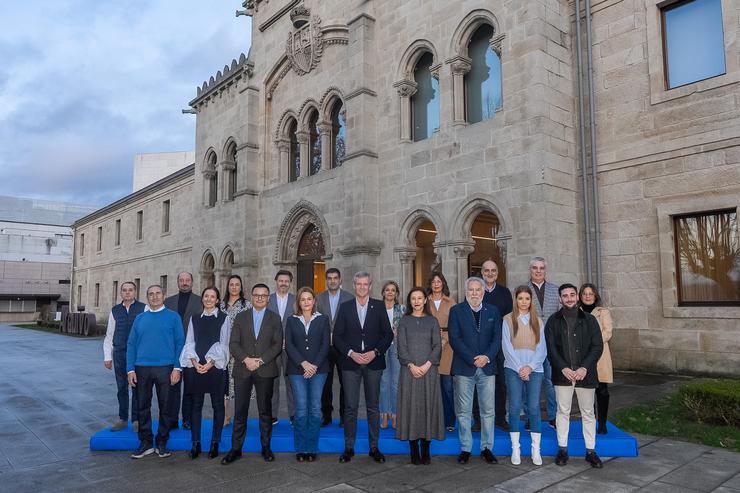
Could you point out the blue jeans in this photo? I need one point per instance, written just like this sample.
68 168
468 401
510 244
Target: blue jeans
119 368
307 423
531 390
464 387
389 381
448 400
552 403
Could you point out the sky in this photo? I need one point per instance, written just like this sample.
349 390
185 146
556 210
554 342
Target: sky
86 84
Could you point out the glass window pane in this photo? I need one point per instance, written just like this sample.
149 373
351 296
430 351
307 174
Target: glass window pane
339 134
694 41
295 152
425 102
483 82
708 252
314 143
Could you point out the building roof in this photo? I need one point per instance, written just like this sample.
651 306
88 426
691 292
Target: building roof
167 180
34 211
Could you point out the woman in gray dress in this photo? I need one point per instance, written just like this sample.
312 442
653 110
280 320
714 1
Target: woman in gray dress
419 417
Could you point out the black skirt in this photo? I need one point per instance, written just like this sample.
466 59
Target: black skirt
211 382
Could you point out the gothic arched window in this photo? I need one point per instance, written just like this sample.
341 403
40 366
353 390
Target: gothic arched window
211 179
314 144
425 101
294 153
230 174
483 81
338 134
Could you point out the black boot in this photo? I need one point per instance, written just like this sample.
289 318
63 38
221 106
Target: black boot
414 447
195 450
213 453
602 408
425 458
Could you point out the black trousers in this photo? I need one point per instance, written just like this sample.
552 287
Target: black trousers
219 411
500 392
327 396
602 402
148 378
370 380
174 404
243 394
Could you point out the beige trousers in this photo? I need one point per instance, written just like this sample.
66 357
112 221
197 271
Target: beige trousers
564 395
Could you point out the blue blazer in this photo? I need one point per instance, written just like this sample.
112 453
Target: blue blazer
312 347
349 334
467 342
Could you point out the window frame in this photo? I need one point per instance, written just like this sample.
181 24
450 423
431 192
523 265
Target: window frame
166 209
139 225
117 233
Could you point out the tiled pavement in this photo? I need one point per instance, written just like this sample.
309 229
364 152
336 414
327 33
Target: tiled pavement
54 393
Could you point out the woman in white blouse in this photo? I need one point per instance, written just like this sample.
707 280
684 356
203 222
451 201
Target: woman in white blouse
525 349
204 359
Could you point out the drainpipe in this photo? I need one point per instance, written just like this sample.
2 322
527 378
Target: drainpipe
582 136
594 181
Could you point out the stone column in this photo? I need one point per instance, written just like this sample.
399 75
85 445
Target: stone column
406 255
208 175
303 142
459 65
227 171
406 89
462 251
327 152
283 173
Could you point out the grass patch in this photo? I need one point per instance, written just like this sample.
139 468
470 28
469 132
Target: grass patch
668 417
47 328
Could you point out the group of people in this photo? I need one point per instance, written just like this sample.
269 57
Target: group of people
425 366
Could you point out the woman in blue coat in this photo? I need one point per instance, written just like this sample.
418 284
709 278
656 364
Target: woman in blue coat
307 342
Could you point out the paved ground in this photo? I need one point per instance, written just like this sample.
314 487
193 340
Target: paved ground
54 393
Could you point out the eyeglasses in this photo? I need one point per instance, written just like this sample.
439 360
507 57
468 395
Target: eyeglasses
260 296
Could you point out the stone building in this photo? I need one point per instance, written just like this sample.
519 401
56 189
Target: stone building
404 136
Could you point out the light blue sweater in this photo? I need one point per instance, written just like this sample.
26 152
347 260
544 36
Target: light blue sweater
156 339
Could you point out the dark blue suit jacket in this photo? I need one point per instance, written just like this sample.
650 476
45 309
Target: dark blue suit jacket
349 334
501 298
312 347
467 342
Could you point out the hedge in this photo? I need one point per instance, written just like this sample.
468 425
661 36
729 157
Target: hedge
714 401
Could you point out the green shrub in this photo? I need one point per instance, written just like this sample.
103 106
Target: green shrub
713 401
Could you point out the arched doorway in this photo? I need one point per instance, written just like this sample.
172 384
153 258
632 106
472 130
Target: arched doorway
311 265
426 260
207 271
485 233
227 266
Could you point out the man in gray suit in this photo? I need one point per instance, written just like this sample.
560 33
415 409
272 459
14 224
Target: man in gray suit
547 302
282 302
256 341
186 304
328 304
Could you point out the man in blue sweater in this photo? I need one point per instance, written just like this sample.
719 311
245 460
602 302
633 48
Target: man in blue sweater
153 360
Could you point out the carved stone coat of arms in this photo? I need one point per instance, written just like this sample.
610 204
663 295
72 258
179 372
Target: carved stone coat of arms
305 46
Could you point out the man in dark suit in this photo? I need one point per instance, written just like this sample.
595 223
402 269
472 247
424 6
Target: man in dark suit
256 341
328 304
474 330
186 304
282 302
498 295
362 335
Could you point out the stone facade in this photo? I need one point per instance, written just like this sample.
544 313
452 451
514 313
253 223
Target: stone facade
657 151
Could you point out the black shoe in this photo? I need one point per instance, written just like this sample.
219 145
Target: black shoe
231 456
341 422
377 455
346 455
300 457
552 424
526 425
594 460
186 425
325 421
274 421
194 451
463 458
213 453
292 418
311 457
488 456
425 457
501 423
562 458
476 427
143 450
450 429
174 426
268 455
414 451
601 430
163 451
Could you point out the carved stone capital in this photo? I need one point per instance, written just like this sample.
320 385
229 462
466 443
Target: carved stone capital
460 65
228 165
463 250
325 128
406 88
302 136
283 145
496 43
209 174
434 69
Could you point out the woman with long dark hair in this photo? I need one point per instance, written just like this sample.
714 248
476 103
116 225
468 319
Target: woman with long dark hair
232 304
590 301
525 349
204 360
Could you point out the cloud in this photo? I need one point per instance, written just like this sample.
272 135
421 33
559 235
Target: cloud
89 84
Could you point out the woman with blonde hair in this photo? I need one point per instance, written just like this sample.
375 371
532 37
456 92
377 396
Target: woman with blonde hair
389 378
525 349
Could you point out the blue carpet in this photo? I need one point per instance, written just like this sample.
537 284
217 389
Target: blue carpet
615 444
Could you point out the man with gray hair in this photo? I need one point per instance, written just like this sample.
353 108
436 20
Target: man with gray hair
474 331
548 302
362 335
186 304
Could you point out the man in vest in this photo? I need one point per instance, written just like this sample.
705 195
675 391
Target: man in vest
120 320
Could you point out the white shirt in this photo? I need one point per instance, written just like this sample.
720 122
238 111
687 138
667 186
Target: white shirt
110 330
303 321
218 352
282 303
334 303
437 303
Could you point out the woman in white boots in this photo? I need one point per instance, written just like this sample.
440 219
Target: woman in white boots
525 349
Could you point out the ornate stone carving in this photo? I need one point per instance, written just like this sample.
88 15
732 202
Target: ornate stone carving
406 88
305 44
283 145
228 165
463 250
434 69
209 173
460 65
325 128
297 232
302 136
496 42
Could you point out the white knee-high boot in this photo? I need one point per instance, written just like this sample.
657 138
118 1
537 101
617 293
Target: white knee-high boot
536 457
516 457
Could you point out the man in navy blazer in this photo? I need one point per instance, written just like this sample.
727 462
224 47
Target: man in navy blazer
362 335
474 331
